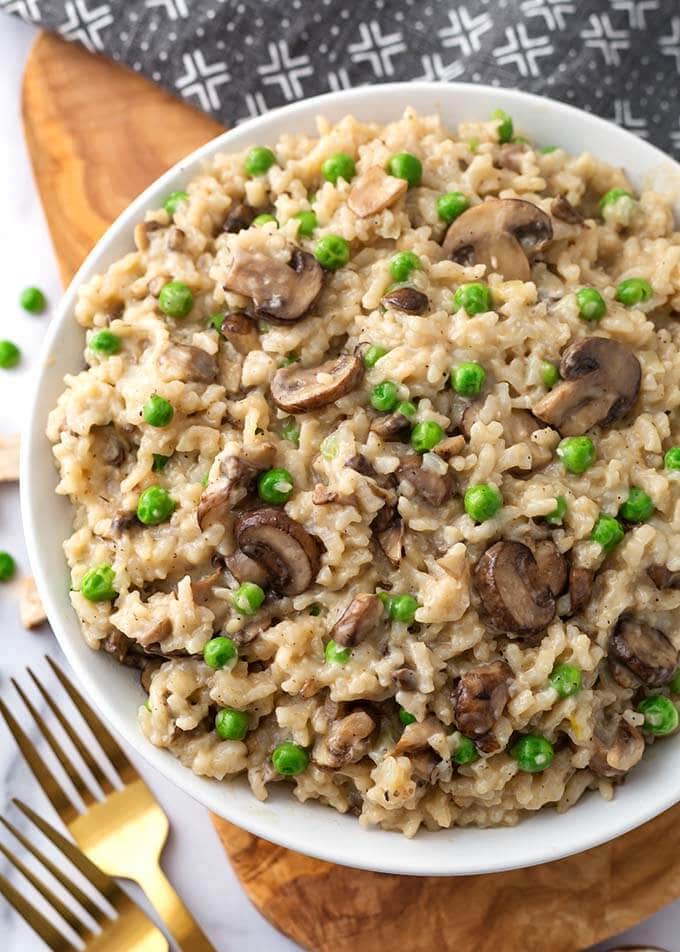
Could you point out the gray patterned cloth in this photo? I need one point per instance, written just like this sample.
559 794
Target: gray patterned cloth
238 58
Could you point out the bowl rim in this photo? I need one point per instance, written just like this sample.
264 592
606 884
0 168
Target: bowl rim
211 793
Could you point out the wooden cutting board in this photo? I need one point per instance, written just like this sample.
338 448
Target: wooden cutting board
97 135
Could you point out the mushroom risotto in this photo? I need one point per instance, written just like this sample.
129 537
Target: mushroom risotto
375 471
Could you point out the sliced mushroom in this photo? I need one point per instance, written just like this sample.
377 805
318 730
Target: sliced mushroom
406 679
118 644
156 285
151 666
360 617
479 698
203 588
392 426
510 156
375 190
639 653
361 465
515 597
185 362
433 487
245 569
109 445
519 428
237 475
600 384
391 540
562 208
176 238
579 589
323 496
123 521
280 292
618 747
499 233
450 447
417 736
662 576
407 299
241 333
239 217
347 739
289 554
552 565
297 390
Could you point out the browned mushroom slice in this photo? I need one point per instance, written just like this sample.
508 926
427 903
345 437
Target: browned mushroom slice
361 465
510 156
434 488
239 216
109 445
406 679
176 238
236 478
562 208
618 747
450 447
407 299
375 190
280 292
241 333
499 233
579 589
347 739
289 554
297 390
245 569
150 667
417 736
600 383
519 428
662 576
124 521
392 426
552 565
185 362
479 698
391 541
359 618
642 651
515 598
203 588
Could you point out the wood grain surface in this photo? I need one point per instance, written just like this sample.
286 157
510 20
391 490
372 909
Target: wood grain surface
97 135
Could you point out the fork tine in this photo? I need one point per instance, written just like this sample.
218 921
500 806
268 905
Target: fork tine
80 897
40 925
111 747
105 885
92 764
53 900
56 748
41 772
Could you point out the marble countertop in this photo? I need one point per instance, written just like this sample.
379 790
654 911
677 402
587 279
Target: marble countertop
214 896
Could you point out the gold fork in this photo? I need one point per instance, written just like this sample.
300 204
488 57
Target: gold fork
130 929
125 832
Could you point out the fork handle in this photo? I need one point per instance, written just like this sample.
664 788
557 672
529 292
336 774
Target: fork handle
183 927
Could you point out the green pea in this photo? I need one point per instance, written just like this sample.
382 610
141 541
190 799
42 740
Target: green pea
533 753
556 517
10 355
465 751
505 128
7 566
97 584
290 430
259 160
661 715
547 149
451 205
566 679
521 139
384 396
315 610
607 531
405 717
338 166
105 342
289 359
205 479
216 321
591 305
403 264
155 505
468 378
32 300
474 298
290 759
158 411
231 724
403 165
425 436
482 502
550 374
264 219
633 291
671 458
247 598
577 453
638 507
674 683
611 197
275 486
332 252
372 355
329 446
334 654
220 652
406 408
175 299
159 462
173 200
308 222
402 608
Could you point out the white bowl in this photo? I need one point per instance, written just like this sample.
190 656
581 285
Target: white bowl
311 828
